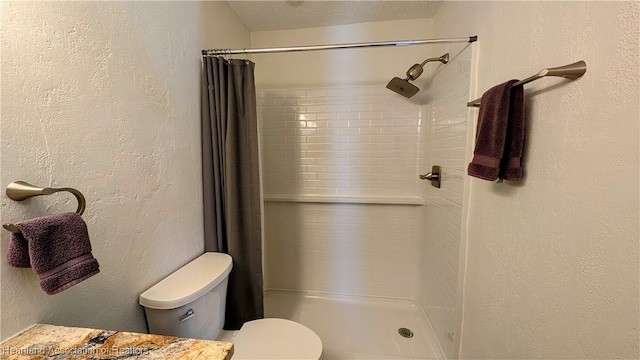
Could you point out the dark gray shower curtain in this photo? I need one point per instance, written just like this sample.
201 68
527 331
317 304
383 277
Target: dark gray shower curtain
232 219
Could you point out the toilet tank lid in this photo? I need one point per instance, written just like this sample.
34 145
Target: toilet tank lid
188 283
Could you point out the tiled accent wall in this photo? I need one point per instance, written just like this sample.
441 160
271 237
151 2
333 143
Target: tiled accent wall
337 143
441 240
355 141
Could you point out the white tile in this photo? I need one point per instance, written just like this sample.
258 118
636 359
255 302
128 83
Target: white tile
302 116
337 108
305 101
370 115
369 131
337 92
380 106
348 131
331 100
295 93
306 131
316 124
295 124
317 108
327 116
272 94
329 131
316 92
286 101
296 109
359 107
265 102
348 115
359 123
384 138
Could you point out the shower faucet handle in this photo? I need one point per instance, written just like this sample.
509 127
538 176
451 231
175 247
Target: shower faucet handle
433 176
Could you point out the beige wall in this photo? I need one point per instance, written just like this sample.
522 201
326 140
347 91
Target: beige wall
104 97
552 262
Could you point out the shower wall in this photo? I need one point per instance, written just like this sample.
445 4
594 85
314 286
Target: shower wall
351 141
341 190
340 160
443 240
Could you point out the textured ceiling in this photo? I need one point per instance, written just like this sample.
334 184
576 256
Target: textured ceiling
280 15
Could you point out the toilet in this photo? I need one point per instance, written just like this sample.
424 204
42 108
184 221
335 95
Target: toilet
190 303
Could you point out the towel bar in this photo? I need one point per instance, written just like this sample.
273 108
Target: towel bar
20 190
571 72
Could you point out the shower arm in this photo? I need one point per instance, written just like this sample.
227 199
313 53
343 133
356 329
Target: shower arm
430 60
415 71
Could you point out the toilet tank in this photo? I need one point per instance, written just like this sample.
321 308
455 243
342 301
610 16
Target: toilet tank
190 302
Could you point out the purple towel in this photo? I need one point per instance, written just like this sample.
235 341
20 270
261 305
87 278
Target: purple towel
57 247
510 168
500 134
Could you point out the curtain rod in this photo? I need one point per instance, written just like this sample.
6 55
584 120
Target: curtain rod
218 52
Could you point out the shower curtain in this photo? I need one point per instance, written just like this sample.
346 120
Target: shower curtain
232 219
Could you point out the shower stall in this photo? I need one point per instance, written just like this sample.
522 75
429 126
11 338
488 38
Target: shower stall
356 246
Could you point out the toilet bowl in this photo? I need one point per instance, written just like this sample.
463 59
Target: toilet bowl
190 303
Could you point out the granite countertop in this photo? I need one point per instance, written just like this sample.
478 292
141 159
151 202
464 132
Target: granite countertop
60 342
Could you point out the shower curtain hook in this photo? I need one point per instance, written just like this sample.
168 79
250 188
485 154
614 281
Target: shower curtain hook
246 58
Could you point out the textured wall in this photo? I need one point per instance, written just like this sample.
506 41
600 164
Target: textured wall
104 97
552 267
442 237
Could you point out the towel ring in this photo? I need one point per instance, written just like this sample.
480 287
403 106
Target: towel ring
20 190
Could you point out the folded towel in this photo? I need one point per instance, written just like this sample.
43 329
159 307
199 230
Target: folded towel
511 168
495 133
57 247
18 252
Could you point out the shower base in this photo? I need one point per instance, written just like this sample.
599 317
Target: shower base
353 327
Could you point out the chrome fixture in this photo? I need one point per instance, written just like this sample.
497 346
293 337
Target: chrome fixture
404 87
20 190
188 315
433 176
571 72
228 52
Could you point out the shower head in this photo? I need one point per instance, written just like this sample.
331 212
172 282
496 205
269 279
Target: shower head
404 87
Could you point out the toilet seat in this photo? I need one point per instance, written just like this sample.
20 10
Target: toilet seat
276 339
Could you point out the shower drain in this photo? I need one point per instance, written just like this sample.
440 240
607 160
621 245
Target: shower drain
404 332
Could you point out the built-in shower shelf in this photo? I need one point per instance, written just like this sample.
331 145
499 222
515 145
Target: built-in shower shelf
337 199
